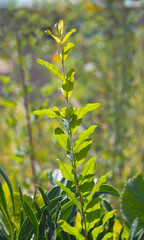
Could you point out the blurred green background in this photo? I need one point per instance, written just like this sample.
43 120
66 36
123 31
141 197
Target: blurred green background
108 58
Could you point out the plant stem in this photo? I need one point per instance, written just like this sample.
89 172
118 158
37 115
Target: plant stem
26 105
72 147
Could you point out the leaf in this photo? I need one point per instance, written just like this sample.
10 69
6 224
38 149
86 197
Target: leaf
78 116
70 194
96 231
44 196
51 113
7 103
32 217
66 50
65 210
132 199
26 231
80 156
93 214
68 35
68 84
4 175
62 139
108 236
4 79
3 205
56 38
67 171
14 236
133 229
52 68
96 188
58 212
71 230
42 223
83 136
60 27
89 167
107 189
107 216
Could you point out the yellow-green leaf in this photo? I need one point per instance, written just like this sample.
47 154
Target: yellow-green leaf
83 136
66 50
69 194
71 230
67 171
50 33
60 27
68 35
52 68
63 139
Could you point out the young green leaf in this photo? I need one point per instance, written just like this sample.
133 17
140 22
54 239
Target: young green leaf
52 68
71 230
51 113
56 38
78 116
62 139
70 194
83 136
60 27
67 171
66 50
68 35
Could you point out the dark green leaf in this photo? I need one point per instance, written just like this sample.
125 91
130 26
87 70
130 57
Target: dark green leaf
2 172
32 217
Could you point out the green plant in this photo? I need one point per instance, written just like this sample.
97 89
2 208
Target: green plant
87 190
132 198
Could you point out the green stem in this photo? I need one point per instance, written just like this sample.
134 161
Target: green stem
72 147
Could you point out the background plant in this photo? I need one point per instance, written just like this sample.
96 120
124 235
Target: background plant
102 68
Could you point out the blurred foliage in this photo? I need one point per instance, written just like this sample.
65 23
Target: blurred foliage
109 56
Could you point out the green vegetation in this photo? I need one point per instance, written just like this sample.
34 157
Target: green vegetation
80 201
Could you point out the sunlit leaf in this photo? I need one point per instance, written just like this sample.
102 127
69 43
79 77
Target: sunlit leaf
108 236
50 33
96 231
67 85
62 138
83 136
52 68
6 178
51 113
71 230
89 167
66 49
107 216
68 35
70 194
67 171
